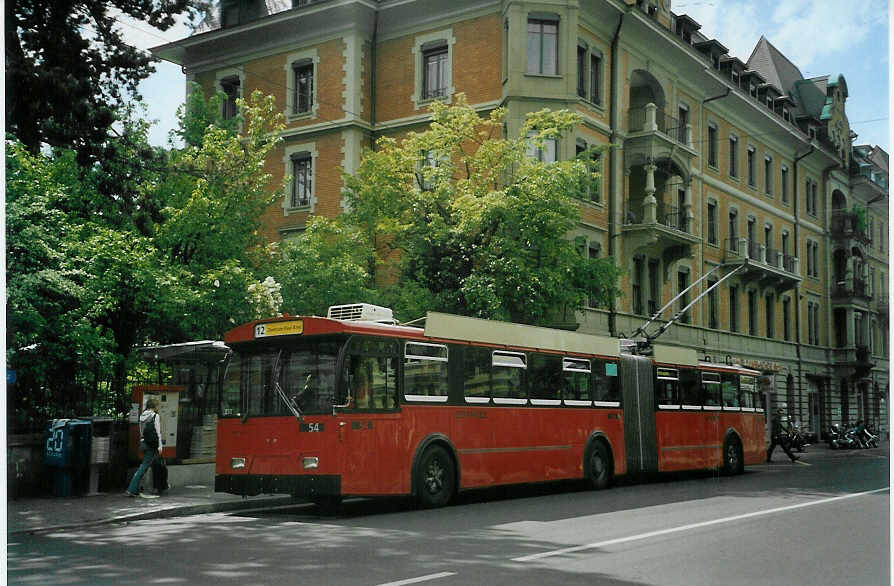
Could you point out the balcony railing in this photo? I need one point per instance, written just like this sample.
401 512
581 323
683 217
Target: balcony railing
848 225
741 248
853 288
788 263
672 217
651 118
666 214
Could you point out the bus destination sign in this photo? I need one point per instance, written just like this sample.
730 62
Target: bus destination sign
279 328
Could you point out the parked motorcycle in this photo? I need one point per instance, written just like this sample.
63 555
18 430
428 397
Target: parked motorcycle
842 438
796 437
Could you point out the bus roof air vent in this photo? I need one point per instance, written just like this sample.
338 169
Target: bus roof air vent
362 312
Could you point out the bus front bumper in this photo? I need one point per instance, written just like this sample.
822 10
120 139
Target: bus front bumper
303 485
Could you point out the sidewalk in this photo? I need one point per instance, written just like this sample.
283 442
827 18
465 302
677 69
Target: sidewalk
29 515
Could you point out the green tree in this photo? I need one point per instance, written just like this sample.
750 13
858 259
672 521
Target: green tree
91 275
479 226
325 265
68 69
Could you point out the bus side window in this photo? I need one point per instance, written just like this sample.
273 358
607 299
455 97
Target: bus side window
508 377
606 388
667 382
711 394
425 372
747 386
576 378
545 379
730 389
476 374
689 386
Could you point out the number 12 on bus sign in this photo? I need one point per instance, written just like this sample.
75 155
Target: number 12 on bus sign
280 328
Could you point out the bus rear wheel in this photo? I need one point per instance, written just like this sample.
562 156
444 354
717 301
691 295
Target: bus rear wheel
435 478
733 461
599 466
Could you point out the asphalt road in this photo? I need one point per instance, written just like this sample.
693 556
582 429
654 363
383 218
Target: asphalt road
824 520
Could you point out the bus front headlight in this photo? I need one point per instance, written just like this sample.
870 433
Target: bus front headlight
236 463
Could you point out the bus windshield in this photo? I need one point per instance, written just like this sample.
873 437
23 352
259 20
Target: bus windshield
307 376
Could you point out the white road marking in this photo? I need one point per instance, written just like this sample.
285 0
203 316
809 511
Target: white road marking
546 554
420 579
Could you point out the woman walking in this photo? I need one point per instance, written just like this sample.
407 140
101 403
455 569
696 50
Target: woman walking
150 441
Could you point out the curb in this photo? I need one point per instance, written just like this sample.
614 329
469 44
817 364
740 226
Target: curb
168 513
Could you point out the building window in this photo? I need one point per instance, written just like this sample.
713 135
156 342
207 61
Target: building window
812 258
543 43
433 57
752 181
733 231
302 180
505 50
786 319
596 78
807 199
784 174
582 71
230 86
713 322
682 123
435 69
303 96
637 286
712 222
712 146
810 196
770 315
545 153
591 189
733 309
752 313
682 286
813 323
768 175
654 288
733 156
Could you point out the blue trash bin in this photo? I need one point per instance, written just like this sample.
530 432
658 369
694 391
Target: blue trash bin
67 453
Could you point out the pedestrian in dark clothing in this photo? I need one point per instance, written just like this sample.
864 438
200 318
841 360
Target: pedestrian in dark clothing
779 436
150 444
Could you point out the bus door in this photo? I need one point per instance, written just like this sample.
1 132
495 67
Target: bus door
637 393
369 426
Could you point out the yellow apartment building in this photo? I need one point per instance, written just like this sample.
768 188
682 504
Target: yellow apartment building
729 170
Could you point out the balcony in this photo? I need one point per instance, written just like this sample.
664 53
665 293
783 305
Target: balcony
851 289
651 131
848 226
856 360
770 267
661 227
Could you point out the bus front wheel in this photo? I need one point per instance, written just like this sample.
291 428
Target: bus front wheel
599 466
435 478
733 461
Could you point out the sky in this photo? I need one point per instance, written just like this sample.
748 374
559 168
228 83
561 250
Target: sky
819 36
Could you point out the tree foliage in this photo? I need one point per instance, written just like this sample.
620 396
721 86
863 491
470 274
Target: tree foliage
167 250
68 68
466 221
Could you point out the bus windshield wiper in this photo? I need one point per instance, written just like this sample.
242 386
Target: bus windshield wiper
290 403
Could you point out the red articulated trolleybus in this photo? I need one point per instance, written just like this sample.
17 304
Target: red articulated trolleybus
353 404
